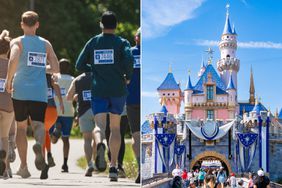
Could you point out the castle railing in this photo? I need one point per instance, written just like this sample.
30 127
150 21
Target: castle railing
157 180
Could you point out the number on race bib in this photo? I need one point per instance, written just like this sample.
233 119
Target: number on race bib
104 56
2 85
50 93
63 92
86 94
136 61
36 59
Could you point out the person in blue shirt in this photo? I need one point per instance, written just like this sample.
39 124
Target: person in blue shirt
133 101
110 60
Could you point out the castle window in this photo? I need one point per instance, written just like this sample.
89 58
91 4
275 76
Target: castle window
173 94
209 92
228 56
210 114
163 94
168 94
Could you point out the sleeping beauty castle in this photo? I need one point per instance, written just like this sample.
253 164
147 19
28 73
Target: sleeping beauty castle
216 129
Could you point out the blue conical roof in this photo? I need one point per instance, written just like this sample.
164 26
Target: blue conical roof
227 27
189 84
258 108
280 114
234 31
203 64
164 110
169 83
230 84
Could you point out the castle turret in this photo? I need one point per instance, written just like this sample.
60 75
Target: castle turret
228 48
202 69
188 98
172 92
232 97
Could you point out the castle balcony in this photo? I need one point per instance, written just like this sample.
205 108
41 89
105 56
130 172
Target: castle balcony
227 44
207 105
228 63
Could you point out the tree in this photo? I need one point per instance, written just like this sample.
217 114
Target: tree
68 24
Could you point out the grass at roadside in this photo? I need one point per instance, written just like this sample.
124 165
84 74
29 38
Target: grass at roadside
129 163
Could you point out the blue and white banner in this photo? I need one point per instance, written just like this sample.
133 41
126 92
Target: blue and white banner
165 145
180 155
246 149
264 122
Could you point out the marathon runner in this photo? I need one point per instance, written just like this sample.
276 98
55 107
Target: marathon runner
80 91
26 80
109 58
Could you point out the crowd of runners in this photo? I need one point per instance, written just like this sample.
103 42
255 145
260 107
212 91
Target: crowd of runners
37 89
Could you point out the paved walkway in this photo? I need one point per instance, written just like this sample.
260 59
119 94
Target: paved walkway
75 177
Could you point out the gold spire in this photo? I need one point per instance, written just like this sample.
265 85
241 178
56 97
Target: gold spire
169 68
163 101
276 113
252 88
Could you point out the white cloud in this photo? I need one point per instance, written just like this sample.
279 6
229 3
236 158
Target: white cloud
149 94
250 44
159 16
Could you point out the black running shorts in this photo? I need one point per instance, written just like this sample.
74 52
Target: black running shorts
33 109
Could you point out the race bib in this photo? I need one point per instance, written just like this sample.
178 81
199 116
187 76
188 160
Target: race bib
63 92
36 59
104 56
50 93
136 61
86 94
2 85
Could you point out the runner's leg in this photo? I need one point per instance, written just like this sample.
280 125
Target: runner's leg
133 113
115 138
6 119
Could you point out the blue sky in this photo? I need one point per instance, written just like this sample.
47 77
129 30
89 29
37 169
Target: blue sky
177 32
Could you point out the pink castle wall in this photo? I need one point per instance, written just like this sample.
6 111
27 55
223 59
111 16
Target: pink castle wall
222 114
198 114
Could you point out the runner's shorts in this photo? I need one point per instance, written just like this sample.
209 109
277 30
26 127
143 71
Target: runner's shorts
86 121
112 105
133 115
33 109
66 125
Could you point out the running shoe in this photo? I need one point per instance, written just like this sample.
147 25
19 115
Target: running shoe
113 174
9 171
100 158
6 175
2 162
121 172
12 153
51 162
65 168
55 135
89 172
23 172
39 159
44 173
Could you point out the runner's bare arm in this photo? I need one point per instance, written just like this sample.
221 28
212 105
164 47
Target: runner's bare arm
13 63
71 91
59 95
52 59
